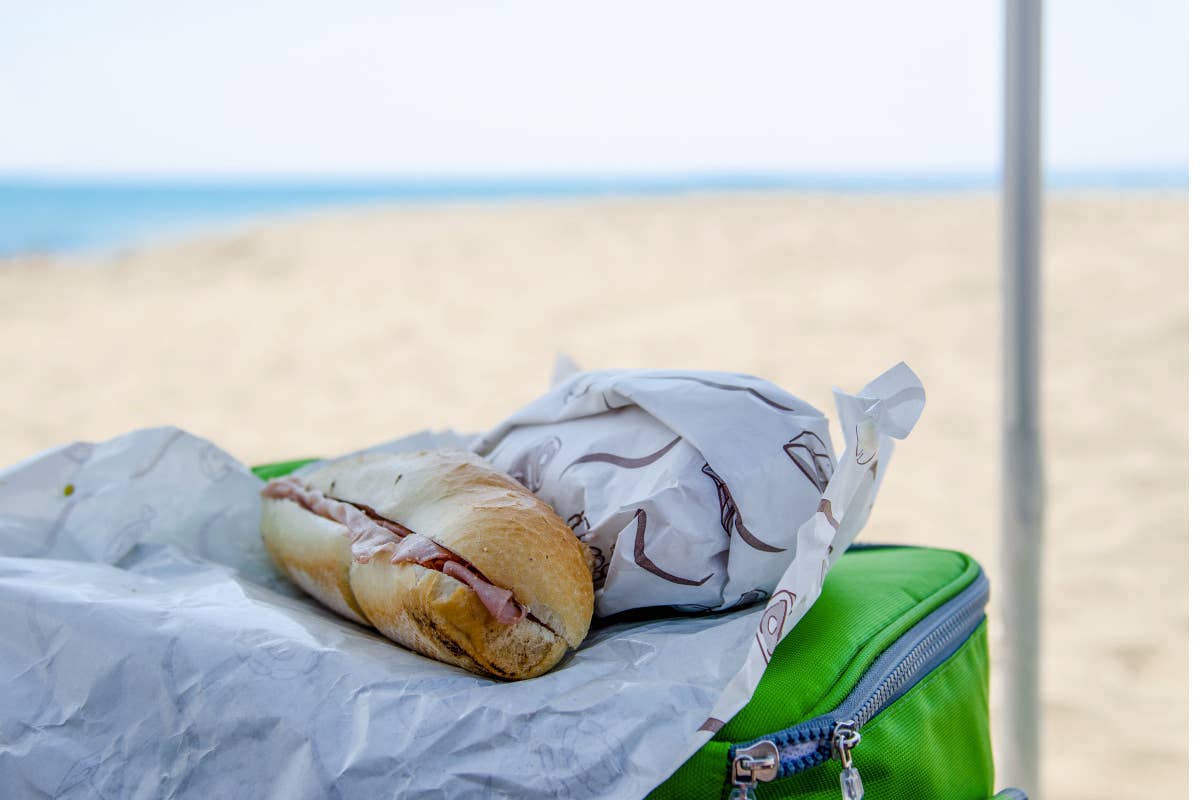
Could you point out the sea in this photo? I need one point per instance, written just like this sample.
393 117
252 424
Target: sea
86 215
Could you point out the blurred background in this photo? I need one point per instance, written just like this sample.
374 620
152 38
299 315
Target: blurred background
298 230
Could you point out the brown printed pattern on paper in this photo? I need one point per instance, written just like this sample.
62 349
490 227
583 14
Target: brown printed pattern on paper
770 627
860 453
204 536
808 452
56 528
825 507
131 533
599 566
711 724
162 451
79 452
731 517
624 462
725 387
642 560
529 468
599 562
578 390
214 463
581 388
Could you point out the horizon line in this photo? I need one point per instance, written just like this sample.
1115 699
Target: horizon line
1171 177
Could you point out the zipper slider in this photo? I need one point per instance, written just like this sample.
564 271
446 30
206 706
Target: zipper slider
758 762
845 737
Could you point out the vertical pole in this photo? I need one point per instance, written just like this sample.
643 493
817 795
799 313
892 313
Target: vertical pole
1021 489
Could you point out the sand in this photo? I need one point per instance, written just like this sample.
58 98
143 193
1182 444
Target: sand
320 334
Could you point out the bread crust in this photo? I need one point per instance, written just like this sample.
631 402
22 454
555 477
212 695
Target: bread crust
314 552
435 615
457 500
465 505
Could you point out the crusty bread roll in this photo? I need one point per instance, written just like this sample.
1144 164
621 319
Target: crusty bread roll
441 553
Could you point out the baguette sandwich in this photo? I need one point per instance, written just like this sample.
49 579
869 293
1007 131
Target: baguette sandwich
439 552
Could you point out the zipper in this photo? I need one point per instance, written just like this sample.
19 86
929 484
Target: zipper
1012 794
758 762
834 735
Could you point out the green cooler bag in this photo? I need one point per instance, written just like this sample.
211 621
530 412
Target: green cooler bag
880 691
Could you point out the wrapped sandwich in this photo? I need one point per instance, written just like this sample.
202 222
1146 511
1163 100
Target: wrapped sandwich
697 490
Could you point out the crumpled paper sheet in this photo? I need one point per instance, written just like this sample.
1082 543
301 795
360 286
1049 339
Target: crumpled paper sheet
149 649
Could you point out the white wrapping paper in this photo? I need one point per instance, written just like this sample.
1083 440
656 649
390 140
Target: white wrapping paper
687 486
149 649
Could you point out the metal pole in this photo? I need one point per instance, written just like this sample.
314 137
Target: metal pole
1021 491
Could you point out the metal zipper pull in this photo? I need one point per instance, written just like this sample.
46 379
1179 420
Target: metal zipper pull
845 737
758 762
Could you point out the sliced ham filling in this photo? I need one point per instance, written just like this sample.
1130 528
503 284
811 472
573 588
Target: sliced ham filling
370 533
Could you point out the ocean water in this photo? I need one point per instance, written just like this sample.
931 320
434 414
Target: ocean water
54 216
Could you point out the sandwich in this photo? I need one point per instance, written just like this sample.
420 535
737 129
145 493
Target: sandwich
439 552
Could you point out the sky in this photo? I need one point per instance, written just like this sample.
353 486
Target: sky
395 89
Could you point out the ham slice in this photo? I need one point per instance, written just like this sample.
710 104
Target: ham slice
370 534
498 601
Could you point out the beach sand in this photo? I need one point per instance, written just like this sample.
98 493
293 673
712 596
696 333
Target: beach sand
321 334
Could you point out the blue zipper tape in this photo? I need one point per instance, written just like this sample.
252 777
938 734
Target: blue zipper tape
907 661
